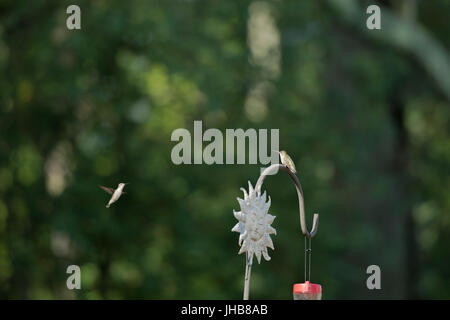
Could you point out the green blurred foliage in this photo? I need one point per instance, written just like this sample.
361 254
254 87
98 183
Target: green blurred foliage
366 125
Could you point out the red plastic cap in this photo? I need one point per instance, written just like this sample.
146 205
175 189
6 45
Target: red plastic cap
307 287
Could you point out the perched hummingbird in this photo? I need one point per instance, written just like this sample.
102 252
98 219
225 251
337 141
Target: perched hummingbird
287 161
115 193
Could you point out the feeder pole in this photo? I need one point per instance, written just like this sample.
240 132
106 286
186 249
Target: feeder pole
248 271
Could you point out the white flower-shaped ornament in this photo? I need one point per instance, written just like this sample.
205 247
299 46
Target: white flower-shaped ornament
254 224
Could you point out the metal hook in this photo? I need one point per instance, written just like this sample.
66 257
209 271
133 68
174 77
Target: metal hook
298 187
306 233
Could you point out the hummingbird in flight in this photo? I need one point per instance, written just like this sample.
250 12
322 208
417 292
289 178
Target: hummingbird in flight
286 160
116 193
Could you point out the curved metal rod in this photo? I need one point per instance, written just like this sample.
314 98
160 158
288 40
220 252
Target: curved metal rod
298 187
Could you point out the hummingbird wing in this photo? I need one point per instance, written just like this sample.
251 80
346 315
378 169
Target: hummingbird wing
290 163
109 190
293 168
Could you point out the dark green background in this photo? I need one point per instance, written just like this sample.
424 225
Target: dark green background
362 114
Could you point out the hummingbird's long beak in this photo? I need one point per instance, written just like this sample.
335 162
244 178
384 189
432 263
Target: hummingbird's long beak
275 151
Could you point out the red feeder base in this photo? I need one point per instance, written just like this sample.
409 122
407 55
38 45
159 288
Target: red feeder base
307 291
